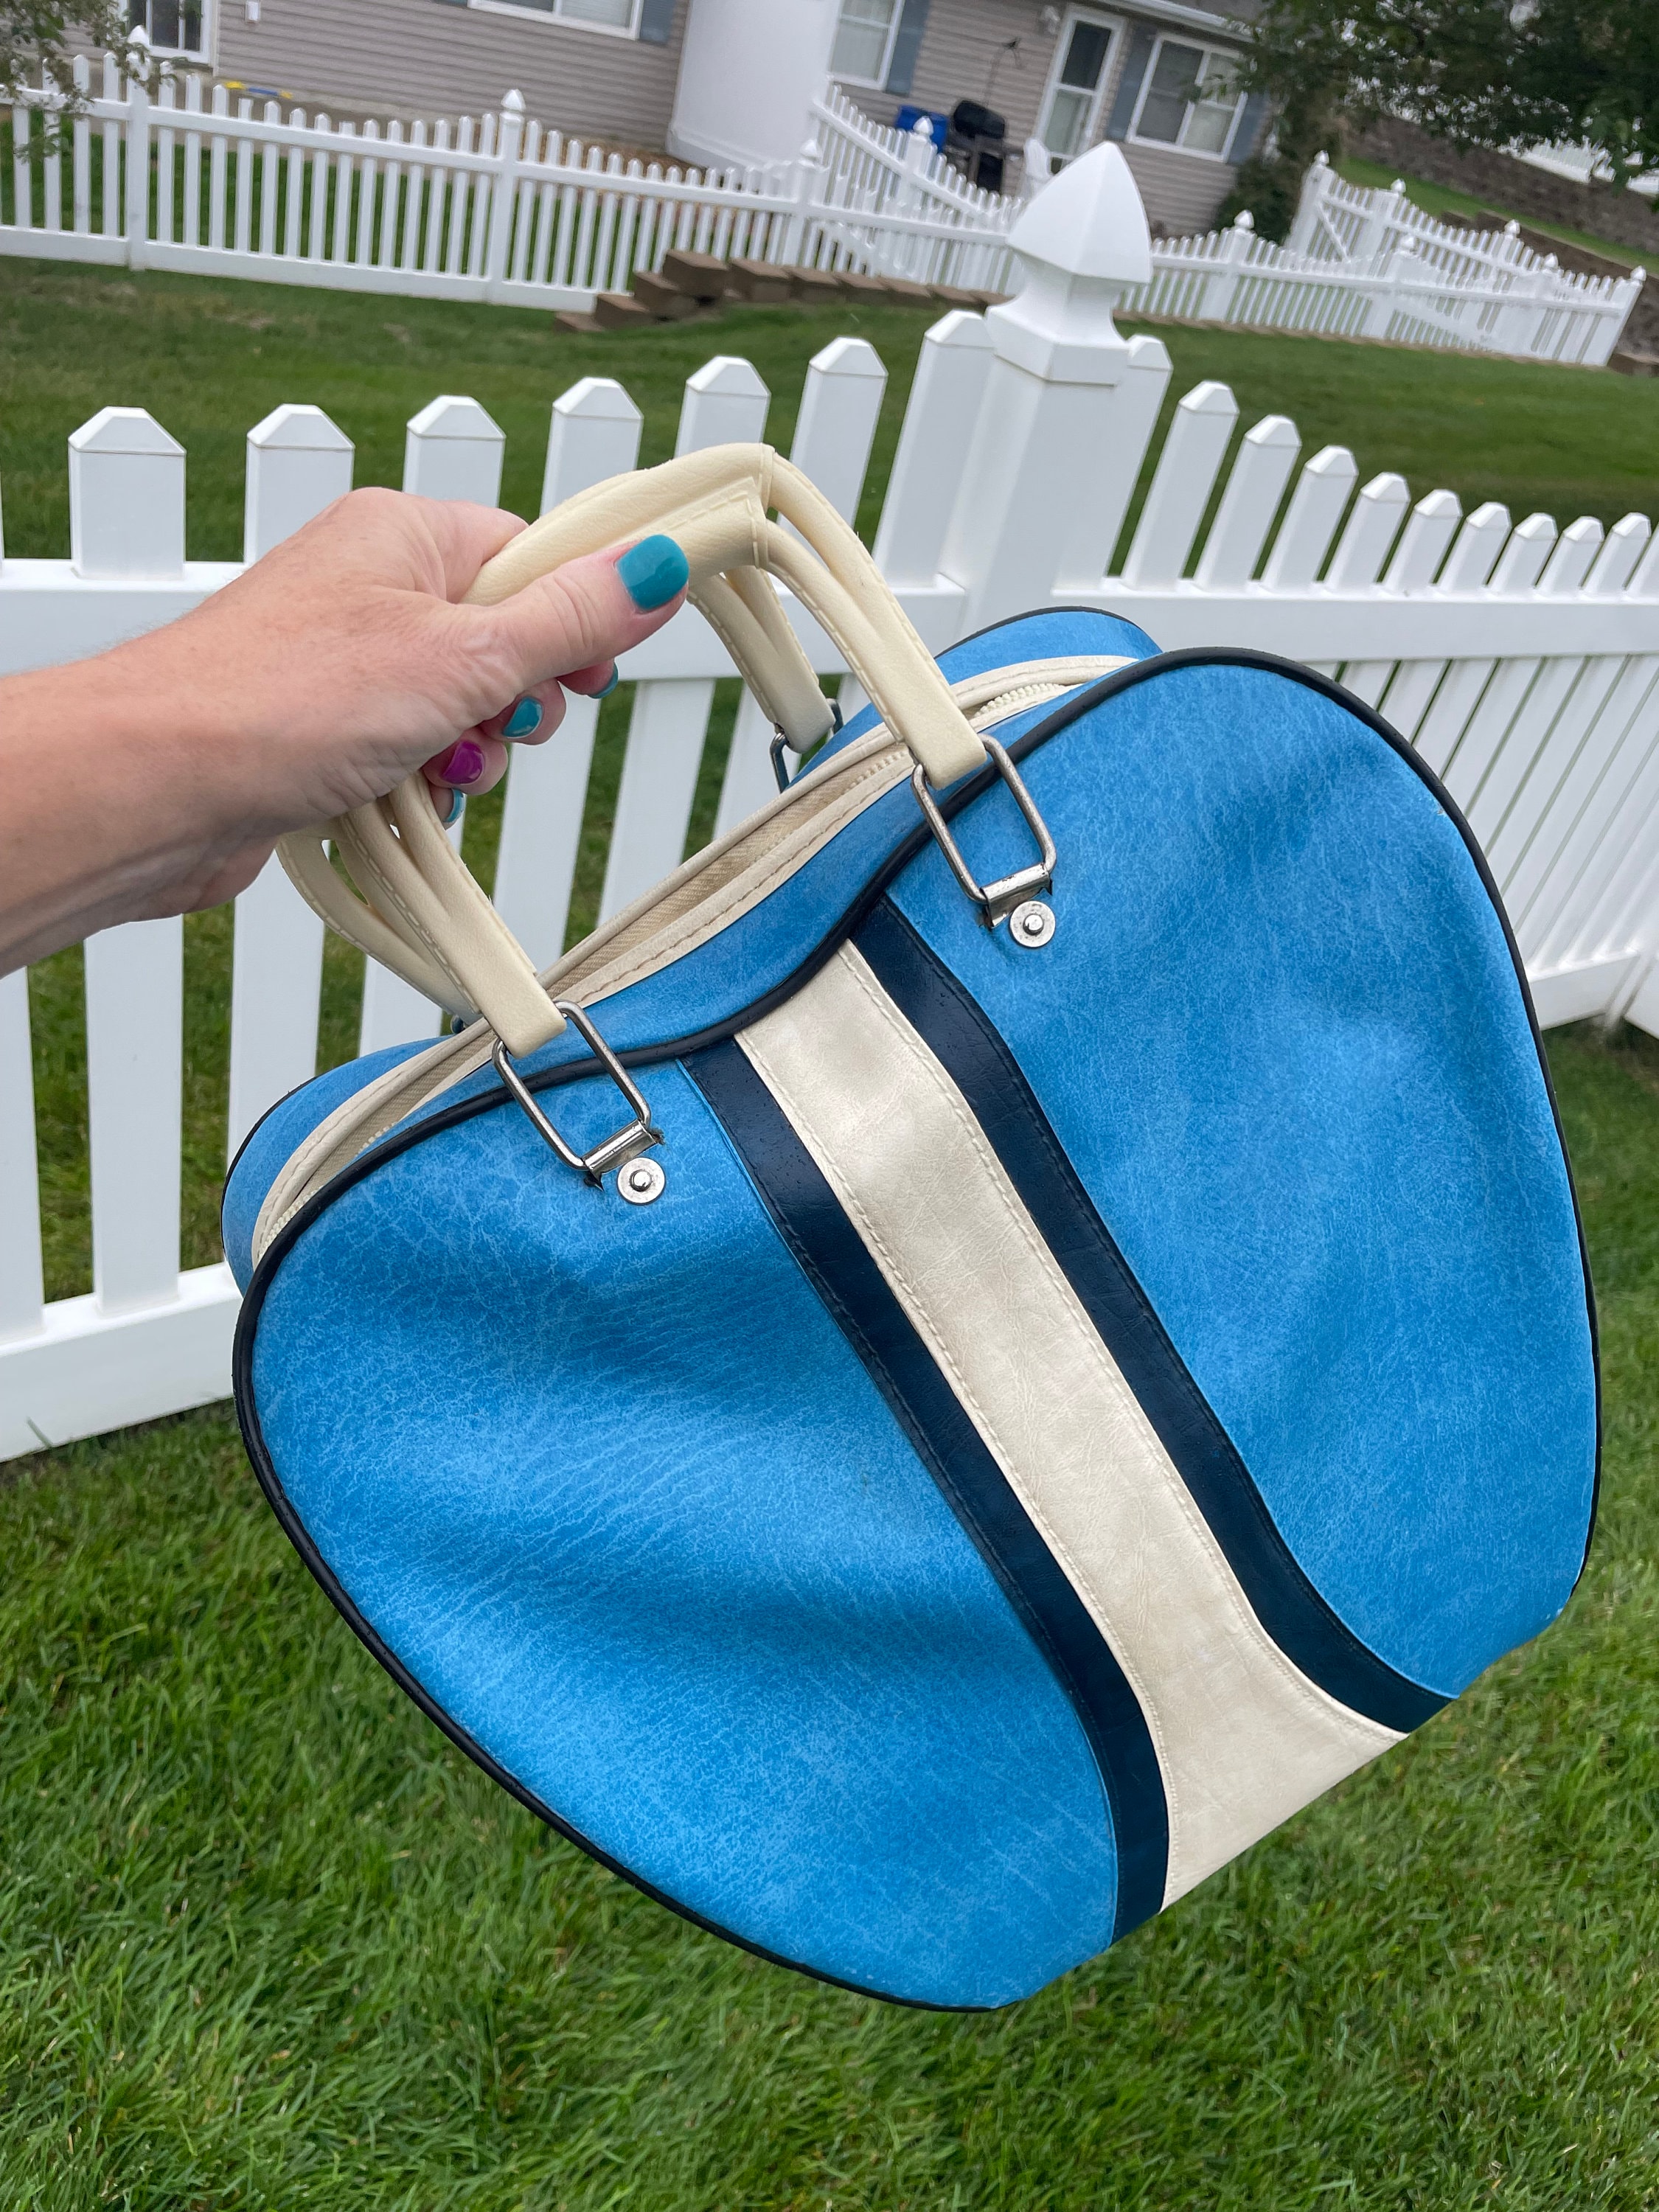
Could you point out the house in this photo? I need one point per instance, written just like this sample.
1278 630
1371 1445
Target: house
731 81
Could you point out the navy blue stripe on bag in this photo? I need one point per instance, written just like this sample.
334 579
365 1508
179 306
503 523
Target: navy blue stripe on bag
960 1036
830 1253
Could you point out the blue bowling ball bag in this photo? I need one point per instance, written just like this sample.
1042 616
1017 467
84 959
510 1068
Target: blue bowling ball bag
1016 1319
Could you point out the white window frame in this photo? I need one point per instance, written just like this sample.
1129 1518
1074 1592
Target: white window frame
870 84
1074 15
1228 54
202 55
629 30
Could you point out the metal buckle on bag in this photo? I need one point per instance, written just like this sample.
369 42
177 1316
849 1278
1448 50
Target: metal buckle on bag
639 1184
997 902
780 773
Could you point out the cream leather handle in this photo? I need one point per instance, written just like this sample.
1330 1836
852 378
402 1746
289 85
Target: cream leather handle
420 912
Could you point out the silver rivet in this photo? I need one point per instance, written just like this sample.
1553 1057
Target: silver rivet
641 1181
1031 923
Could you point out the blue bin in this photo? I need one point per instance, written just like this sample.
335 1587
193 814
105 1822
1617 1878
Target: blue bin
909 115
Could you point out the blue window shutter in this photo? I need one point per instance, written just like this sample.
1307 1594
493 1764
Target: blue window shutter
1247 129
656 21
1142 39
901 69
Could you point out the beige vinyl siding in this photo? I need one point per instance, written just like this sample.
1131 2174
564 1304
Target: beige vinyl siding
422 58
1181 191
959 52
962 46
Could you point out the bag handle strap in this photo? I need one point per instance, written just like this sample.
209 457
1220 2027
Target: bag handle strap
416 908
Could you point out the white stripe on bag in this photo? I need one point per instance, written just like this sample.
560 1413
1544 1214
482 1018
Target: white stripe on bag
1243 1738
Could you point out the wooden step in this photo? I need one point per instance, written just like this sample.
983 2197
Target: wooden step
818 287
699 276
620 311
661 299
953 295
913 296
577 320
855 287
1628 362
762 283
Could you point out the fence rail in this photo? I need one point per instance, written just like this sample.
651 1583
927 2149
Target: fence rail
1521 660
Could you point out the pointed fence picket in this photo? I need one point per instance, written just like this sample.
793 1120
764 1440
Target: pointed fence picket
1520 659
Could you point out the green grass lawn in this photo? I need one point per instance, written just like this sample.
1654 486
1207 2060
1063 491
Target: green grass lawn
209 358
267 1942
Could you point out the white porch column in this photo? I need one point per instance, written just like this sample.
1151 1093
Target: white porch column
749 72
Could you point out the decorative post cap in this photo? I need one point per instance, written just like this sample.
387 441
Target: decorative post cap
1243 219
1082 241
1089 221
513 103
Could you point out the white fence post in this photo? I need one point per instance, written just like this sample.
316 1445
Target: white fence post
1314 184
808 186
595 434
137 136
834 430
298 463
1221 290
503 193
1054 438
725 403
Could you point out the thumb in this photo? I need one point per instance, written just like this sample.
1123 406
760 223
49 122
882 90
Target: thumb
591 610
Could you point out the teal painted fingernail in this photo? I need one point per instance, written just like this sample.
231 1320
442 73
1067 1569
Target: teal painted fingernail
452 813
526 718
616 678
652 572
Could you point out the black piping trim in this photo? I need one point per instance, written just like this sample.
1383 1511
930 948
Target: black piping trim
951 803
955 1027
832 1256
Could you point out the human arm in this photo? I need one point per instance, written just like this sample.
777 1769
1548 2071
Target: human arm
155 778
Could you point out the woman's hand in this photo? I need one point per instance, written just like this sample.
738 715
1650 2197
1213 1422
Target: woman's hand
156 777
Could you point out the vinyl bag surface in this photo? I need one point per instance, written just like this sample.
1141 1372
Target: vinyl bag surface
1080 1340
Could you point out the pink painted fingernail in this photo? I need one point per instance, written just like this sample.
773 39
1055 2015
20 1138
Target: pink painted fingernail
463 764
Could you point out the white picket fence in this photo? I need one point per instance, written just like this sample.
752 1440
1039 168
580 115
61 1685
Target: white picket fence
1522 660
493 207
1364 264
884 177
497 208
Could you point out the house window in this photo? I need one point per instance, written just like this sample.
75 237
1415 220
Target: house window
1188 99
1070 120
602 15
864 41
172 26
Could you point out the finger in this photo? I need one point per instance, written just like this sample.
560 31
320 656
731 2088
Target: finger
472 764
588 611
597 682
532 717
